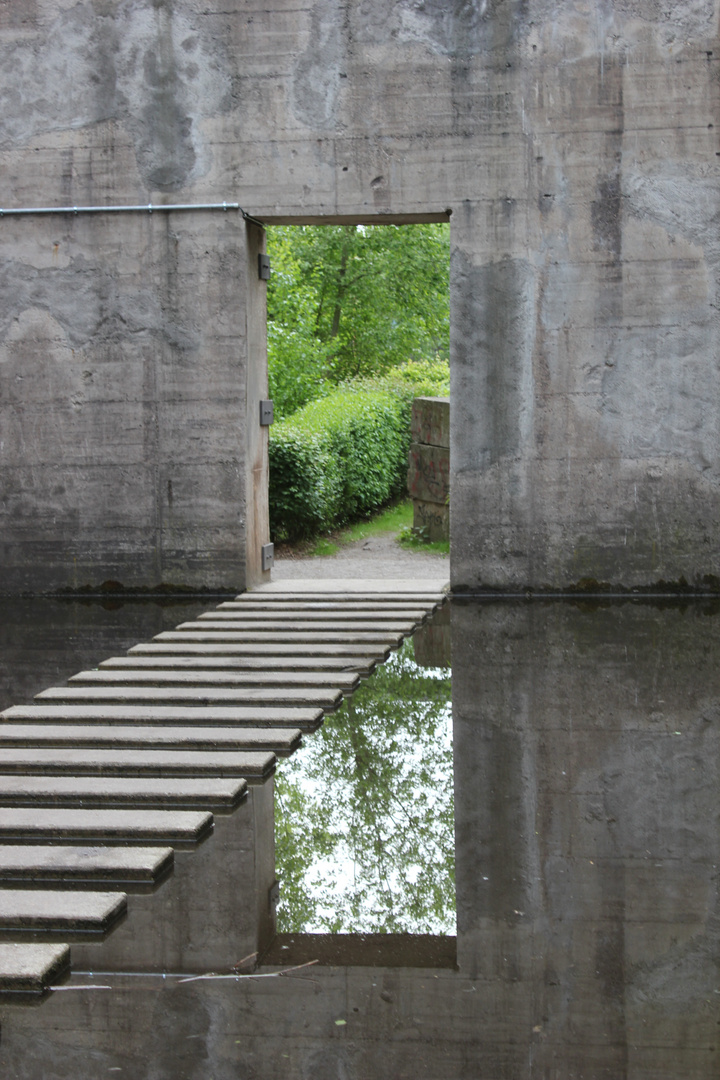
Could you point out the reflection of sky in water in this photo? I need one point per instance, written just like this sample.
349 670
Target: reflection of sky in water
364 811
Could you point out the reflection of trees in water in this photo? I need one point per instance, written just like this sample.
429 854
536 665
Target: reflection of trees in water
364 836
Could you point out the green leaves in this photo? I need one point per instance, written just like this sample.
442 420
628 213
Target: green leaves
345 455
364 812
347 301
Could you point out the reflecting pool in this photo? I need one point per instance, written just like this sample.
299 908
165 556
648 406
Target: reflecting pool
580 826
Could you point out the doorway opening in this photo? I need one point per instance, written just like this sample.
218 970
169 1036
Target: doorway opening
358 327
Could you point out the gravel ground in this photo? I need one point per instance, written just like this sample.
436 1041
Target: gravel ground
376 557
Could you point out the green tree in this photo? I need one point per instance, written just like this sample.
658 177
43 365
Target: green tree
364 835
347 301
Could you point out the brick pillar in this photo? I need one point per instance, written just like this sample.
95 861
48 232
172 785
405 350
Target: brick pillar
429 466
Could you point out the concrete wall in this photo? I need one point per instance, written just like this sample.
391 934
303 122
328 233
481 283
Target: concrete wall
574 145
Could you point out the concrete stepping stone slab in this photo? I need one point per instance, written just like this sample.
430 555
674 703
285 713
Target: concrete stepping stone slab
351 586
30 968
251 650
300 626
310 637
396 618
190 695
116 736
138 792
252 765
232 716
250 602
345 681
258 664
60 911
75 865
58 823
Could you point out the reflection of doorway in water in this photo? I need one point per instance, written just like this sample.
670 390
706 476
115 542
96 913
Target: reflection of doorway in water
364 811
353 309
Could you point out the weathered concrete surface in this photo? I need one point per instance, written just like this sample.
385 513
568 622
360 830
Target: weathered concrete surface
79 762
30 968
270 639
423 589
298 614
283 651
61 863
158 737
269 665
54 910
576 150
197 715
42 823
342 680
191 695
128 791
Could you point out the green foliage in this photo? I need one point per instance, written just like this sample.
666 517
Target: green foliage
347 301
333 460
345 455
364 812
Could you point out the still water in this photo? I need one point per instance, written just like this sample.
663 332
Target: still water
570 856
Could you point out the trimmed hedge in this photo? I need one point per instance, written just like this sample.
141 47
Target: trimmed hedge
345 455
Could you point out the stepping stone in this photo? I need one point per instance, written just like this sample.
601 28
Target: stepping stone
191 695
279 740
31 968
314 680
58 863
122 791
222 715
152 715
299 626
250 602
257 637
386 588
340 615
237 663
58 911
250 650
51 823
47 761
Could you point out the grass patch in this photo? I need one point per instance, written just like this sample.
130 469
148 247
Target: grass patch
397 518
409 538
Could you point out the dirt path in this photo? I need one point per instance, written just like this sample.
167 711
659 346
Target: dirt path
376 557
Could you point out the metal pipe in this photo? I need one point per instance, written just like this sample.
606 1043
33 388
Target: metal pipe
143 208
